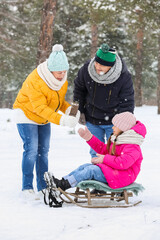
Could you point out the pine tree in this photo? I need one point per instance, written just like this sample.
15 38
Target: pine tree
20 23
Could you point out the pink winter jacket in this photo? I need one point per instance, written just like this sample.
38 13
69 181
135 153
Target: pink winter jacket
122 168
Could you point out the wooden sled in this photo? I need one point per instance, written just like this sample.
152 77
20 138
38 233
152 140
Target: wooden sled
112 198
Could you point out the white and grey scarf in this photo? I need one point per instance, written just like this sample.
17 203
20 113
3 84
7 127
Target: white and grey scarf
48 77
128 137
111 76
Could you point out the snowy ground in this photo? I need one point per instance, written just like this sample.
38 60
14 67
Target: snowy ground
20 220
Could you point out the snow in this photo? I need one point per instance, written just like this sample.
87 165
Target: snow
21 220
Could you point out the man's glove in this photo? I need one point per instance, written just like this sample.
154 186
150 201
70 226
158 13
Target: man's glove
68 121
85 133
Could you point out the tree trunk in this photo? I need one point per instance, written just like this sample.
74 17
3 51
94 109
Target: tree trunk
138 68
46 31
158 84
94 40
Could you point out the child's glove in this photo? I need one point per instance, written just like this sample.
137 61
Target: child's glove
85 133
68 121
98 159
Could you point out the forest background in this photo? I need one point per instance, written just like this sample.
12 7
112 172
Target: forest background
29 29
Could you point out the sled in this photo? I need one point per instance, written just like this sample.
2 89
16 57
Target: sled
107 198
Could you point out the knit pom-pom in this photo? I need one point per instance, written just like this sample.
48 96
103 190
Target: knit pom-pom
105 48
57 48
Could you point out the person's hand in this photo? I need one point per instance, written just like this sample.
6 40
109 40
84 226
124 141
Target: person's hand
68 121
98 159
85 133
82 119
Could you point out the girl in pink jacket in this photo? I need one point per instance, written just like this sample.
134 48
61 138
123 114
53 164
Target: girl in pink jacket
118 162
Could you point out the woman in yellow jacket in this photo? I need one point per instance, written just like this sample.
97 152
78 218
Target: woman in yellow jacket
37 104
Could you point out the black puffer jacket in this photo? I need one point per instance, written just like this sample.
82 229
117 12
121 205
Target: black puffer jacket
100 102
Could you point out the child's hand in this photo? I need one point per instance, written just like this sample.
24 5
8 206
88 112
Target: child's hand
98 159
85 133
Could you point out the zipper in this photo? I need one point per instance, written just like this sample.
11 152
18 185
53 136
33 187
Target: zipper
58 100
110 92
93 99
45 122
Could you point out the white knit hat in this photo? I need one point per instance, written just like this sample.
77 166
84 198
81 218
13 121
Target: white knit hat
124 121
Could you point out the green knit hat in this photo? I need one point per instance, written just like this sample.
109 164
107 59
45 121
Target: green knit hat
105 55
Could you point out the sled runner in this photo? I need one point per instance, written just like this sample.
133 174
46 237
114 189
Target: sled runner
51 194
102 197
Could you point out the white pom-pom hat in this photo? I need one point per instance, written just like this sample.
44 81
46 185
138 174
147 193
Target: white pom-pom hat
124 121
57 60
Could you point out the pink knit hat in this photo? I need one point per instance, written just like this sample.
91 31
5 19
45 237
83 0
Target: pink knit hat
124 121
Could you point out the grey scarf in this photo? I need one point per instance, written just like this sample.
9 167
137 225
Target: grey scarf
111 76
128 137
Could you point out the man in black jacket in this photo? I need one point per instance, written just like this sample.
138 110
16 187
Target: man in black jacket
103 88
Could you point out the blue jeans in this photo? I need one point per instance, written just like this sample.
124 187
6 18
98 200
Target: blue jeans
36 141
86 171
99 131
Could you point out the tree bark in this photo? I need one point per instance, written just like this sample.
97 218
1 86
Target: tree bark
158 84
138 68
46 31
94 39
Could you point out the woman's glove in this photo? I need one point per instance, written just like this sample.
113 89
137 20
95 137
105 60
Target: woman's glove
85 133
68 110
68 121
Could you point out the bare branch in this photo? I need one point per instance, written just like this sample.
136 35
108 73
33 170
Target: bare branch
16 19
13 2
8 48
14 51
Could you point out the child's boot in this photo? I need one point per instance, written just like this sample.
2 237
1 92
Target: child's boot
63 183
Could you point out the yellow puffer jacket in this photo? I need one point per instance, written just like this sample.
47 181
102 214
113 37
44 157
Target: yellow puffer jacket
40 103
